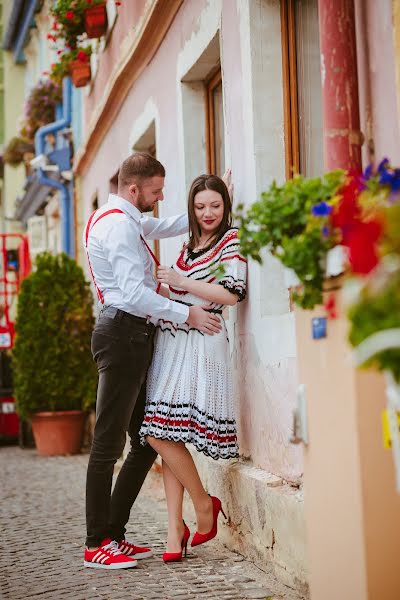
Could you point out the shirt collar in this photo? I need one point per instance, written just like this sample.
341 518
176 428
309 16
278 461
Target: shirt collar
127 207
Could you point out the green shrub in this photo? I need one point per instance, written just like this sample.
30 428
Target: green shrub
52 361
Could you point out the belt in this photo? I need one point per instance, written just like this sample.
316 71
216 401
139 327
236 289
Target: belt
122 316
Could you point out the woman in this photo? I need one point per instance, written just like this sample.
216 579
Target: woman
189 384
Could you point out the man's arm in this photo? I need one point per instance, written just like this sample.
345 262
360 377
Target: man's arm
157 229
123 248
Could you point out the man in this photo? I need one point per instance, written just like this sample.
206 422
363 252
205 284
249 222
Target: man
122 267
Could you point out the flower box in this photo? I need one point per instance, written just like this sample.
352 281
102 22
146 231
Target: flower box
95 19
81 73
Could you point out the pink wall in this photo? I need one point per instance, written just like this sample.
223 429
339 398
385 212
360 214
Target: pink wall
266 391
377 78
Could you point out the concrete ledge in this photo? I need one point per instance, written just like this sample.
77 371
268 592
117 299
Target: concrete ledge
266 520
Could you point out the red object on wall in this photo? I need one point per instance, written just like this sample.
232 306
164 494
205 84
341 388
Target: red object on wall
96 21
342 136
81 73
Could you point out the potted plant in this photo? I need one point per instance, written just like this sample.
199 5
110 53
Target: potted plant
16 150
372 222
293 221
95 19
40 107
72 18
54 374
76 63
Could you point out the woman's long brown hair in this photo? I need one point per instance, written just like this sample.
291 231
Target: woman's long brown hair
201 183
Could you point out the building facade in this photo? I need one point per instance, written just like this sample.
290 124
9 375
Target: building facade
210 84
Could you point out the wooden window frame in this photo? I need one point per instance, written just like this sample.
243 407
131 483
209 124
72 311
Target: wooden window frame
213 81
290 99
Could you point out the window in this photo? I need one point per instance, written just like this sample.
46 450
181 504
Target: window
215 134
302 87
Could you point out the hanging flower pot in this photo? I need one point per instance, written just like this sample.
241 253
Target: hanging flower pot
95 19
80 70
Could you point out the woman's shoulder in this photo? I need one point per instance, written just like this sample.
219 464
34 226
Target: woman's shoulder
230 236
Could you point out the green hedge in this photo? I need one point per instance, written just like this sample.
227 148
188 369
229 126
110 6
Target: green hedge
52 362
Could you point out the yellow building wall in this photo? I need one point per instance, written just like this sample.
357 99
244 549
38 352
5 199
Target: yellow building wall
14 177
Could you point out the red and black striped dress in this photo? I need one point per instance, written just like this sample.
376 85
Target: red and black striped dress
189 383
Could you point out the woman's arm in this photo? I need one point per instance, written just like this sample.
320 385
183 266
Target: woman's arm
164 291
213 292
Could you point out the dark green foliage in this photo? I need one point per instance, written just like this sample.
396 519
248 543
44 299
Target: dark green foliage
53 366
377 310
282 221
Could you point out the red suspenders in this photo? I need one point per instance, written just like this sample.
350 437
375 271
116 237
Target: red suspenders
87 231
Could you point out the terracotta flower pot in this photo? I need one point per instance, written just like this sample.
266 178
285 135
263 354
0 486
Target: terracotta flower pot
58 433
81 73
95 19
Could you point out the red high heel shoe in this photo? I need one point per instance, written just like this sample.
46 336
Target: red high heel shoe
177 556
201 538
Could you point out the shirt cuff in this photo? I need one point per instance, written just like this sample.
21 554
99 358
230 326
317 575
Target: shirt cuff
181 312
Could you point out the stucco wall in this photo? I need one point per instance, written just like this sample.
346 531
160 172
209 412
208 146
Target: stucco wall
377 78
262 330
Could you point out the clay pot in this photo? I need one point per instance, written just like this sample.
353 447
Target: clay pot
58 433
81 73
95 19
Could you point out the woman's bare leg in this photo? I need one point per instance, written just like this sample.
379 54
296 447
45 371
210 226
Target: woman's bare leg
174 494
180 461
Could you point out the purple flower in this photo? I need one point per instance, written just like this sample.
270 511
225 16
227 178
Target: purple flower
383 165
321 210
325 231
368 173
390 178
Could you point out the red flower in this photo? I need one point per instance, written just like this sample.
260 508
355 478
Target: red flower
51 37
362 243
118 3
82 56
69 14
55 26
330 306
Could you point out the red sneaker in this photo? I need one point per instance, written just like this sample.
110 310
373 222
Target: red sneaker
133 551
108 556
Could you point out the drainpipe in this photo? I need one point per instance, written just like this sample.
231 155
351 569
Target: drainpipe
61 123
341 116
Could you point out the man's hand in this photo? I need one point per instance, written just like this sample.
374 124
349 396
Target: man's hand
204 321
227 179
168 276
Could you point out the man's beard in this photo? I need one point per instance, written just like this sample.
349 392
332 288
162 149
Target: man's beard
142 206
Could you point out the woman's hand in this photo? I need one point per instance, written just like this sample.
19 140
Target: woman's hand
227 179
170 277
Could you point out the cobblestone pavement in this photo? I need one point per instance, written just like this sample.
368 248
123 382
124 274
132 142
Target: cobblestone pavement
42 534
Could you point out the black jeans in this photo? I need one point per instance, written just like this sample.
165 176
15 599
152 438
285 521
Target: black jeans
122 346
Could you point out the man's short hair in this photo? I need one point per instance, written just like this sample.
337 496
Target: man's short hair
137 167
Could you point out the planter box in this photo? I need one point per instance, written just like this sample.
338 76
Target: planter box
96 21
81 73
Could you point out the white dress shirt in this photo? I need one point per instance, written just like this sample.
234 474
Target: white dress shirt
122 266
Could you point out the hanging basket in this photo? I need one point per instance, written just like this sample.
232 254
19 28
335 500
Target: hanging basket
81 73
95 19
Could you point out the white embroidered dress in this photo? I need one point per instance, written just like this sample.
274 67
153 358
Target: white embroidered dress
189 383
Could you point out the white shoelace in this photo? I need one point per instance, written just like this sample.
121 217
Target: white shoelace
112 548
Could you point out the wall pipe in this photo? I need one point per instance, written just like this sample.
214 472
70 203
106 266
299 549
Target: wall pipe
40 142
342 135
